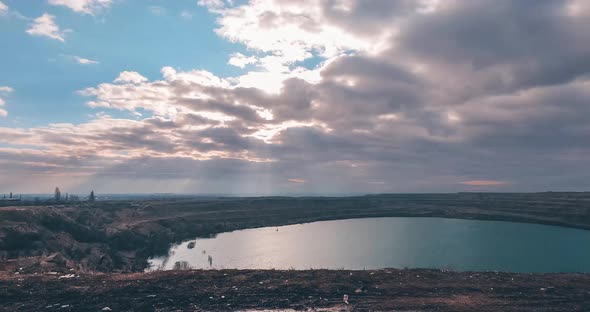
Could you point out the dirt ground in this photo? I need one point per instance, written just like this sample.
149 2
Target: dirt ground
313 290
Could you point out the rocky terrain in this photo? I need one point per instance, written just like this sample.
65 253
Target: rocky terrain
317 290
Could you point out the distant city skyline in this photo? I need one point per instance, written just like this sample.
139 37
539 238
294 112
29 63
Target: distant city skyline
282 97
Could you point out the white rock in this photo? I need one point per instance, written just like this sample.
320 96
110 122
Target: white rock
67 276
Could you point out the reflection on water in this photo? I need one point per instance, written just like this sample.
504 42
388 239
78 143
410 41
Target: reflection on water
390 242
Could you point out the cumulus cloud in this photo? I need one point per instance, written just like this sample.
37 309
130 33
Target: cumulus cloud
291 31
214 4
406 96
44 25
130 76
90 7
240 60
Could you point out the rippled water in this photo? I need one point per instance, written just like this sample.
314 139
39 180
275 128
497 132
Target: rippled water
391 242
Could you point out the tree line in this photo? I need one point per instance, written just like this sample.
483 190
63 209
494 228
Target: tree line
58 197
11 197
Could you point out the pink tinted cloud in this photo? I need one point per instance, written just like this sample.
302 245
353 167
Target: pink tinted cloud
484 183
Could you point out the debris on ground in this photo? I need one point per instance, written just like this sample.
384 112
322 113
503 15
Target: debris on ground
285 290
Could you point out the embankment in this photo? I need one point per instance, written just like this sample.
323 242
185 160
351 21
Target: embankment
119 236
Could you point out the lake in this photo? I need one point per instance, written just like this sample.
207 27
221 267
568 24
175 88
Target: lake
375 243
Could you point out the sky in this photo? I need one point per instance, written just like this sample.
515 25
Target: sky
294 97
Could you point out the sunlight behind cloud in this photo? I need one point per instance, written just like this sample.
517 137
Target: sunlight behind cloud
414 94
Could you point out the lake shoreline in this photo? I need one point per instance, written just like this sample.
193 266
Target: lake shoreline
119 236
388 242
77 257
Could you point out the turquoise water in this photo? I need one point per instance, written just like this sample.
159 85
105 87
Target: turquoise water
375 243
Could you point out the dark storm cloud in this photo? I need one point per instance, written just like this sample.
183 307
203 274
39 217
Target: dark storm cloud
507 45
366 17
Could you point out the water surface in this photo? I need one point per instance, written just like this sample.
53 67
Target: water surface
375 243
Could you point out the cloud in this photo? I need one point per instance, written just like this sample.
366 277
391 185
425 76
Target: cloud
296 180
484 183
3 8
44 25
292 31
4 89
90 7
240 60
402 96
186 15
129 76
213 4
84 61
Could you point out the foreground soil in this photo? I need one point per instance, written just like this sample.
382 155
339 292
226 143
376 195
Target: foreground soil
317 290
